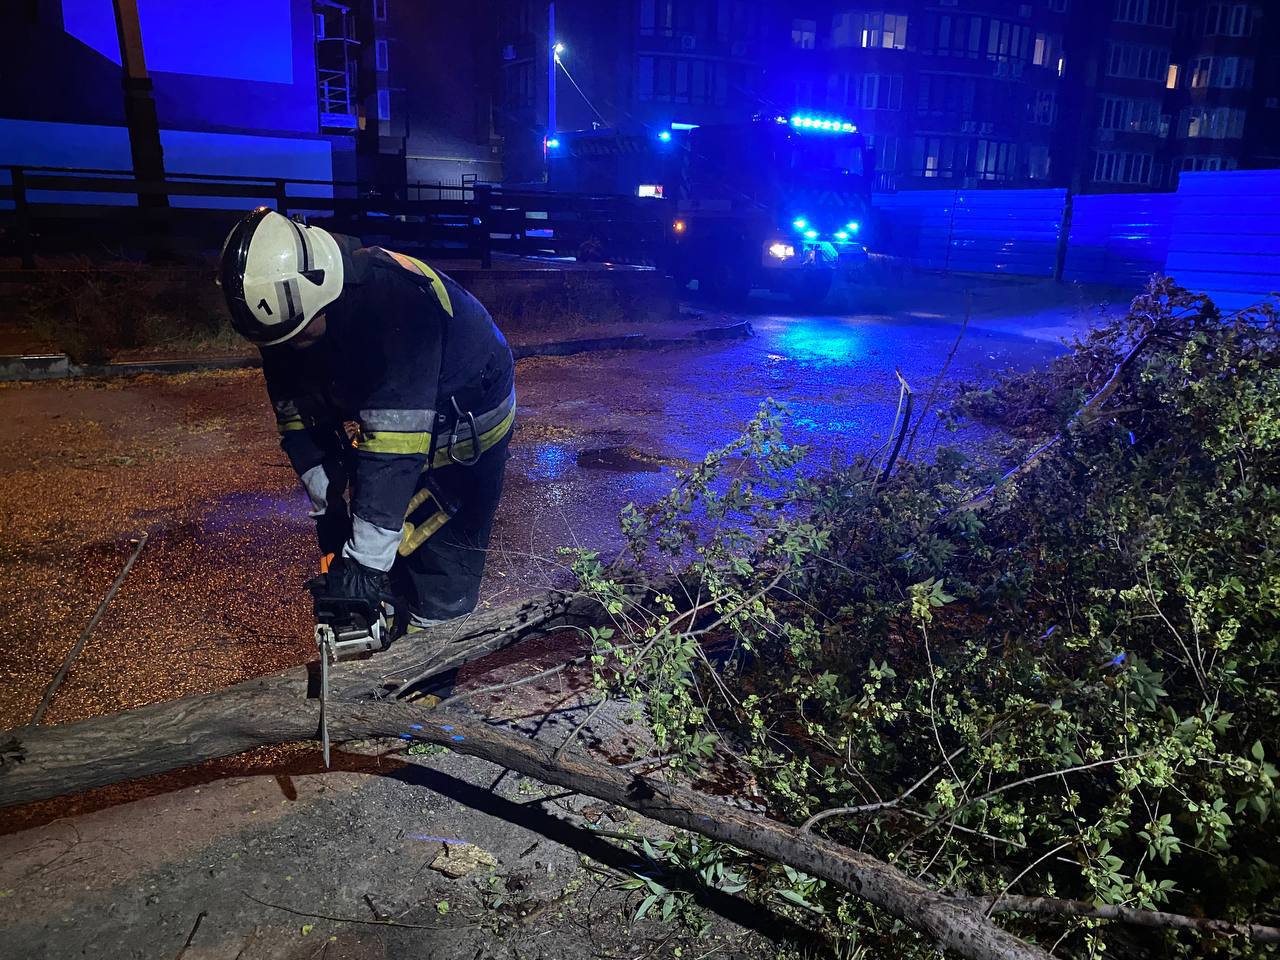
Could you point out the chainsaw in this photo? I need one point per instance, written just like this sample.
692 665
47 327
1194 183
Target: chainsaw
347 628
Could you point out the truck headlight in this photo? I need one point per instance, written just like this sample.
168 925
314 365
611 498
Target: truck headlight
782 251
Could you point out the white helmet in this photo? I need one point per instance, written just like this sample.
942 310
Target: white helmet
277 275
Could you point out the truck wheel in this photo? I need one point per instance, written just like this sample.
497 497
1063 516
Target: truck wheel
811 290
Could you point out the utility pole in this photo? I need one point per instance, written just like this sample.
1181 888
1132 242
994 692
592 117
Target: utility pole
139 105
551 68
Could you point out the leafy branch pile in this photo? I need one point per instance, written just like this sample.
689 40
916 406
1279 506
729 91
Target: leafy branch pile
1069 690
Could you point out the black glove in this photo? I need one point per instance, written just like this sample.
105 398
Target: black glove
333 528
351 579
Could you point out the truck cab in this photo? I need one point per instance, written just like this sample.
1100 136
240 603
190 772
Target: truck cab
780 202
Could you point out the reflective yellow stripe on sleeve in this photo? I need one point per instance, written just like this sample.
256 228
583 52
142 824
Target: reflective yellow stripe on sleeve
385 441
292 423
414 265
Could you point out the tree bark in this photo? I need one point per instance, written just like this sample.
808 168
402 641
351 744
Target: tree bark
1051 906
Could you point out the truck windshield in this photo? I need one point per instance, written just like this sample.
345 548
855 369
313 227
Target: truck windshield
825 159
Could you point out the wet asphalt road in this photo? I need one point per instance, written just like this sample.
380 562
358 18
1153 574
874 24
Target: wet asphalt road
193 459
597 430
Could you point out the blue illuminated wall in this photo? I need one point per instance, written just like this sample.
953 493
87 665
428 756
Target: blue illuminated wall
241 69
234 39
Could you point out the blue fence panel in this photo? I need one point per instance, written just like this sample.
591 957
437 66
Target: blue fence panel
916 225
1118 239
974 231
1225 239
1007 231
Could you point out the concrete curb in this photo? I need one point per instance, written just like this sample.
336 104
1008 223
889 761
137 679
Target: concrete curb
58 366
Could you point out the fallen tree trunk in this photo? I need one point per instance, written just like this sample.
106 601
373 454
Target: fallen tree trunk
168 736
40 762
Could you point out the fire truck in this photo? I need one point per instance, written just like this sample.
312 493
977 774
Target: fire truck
780 202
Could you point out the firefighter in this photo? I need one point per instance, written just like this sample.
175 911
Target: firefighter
405 502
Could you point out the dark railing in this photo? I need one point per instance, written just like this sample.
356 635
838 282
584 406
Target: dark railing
46 208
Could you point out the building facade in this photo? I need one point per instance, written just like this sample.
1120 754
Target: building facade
634 65
235 93
1162 86
371 93
1095 95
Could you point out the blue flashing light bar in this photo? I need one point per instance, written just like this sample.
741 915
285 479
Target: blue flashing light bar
664 136
853 226
800 223
811 234
684 126
553 143
822 124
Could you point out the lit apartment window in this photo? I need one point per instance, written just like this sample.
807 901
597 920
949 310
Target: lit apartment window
1048 50
804 34
384 104
379 9
888 30
380 55
1172 82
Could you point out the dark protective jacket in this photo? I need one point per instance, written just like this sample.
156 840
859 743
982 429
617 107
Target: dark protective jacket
404 349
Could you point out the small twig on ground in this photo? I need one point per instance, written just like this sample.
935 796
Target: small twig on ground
192 935
367 923
373 908
61 675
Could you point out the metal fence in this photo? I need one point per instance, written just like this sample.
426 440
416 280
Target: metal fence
1118 239
974 231
45 210
1225 238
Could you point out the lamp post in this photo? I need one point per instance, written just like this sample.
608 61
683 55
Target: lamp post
554 50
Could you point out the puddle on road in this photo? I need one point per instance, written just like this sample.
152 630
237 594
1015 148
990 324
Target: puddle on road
623 460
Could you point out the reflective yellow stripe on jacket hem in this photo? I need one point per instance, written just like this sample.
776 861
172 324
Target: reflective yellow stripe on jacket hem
385 441
293 423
